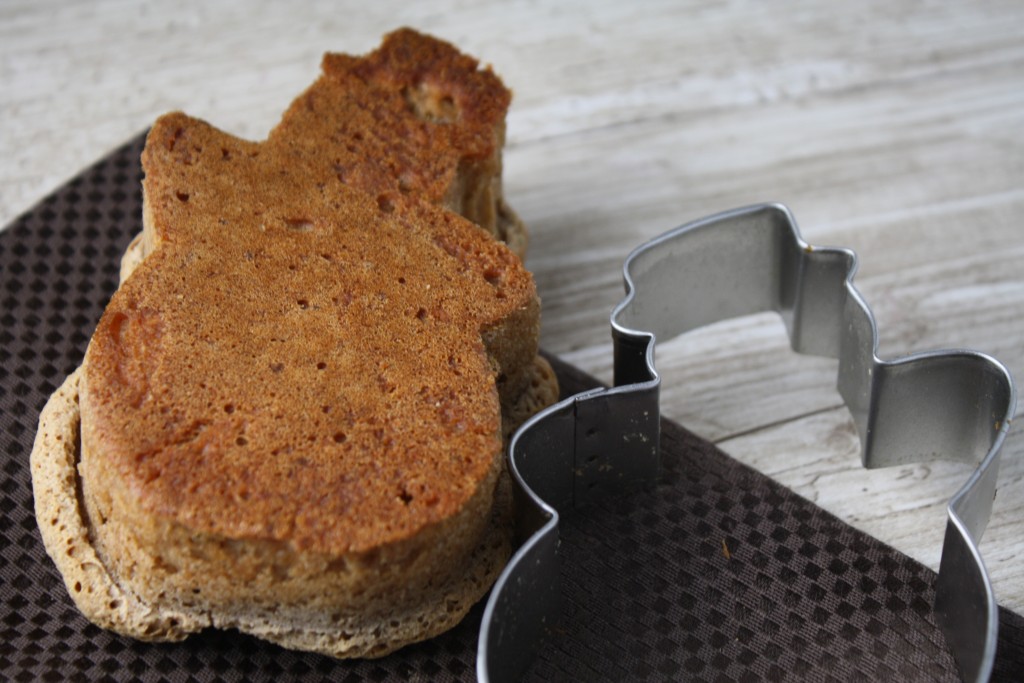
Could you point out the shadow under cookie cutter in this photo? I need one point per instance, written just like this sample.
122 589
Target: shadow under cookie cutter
941 405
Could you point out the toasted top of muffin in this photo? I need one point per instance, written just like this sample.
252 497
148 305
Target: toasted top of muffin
300 347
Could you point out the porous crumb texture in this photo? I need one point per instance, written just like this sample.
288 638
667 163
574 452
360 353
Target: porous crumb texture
66 535
292 410
447 151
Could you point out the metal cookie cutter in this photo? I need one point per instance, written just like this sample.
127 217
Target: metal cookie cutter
950 405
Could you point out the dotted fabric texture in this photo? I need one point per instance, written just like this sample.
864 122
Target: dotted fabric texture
716 573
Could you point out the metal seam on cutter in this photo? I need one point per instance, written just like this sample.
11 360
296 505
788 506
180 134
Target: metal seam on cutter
941 405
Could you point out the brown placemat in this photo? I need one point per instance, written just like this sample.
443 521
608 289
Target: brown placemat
716 573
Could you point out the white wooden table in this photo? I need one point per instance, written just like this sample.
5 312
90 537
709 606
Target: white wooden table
892 127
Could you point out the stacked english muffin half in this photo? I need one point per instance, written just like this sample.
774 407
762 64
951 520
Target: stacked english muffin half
290 418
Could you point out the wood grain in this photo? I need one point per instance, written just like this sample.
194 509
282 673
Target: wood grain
892 127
